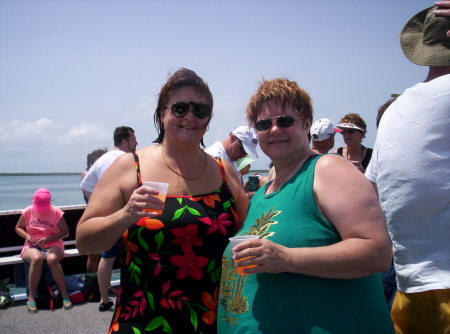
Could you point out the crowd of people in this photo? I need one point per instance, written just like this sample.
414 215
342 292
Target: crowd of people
323 226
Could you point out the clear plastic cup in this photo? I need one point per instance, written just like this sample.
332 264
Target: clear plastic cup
234 241
162 188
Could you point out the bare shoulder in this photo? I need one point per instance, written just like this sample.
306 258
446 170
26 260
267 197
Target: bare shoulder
335 178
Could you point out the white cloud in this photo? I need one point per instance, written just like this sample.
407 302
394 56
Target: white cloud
47 145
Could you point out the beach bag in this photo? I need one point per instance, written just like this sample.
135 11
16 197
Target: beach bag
48 297
6 297
75 287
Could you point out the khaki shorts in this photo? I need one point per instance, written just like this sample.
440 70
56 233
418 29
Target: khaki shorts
422 312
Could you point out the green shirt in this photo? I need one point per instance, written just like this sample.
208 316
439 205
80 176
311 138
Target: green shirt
293 303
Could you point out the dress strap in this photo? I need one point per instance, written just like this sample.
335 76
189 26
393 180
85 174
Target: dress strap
222 169
138 168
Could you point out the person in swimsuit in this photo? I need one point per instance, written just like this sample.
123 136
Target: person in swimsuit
353 129
171 262
321 234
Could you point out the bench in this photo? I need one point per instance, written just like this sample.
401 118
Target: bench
11 246
16 259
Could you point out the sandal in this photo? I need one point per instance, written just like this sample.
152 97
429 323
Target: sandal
67 304
103 307
31 307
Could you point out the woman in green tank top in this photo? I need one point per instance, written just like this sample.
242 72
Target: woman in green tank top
321 235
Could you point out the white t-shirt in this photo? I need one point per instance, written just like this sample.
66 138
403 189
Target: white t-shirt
411 167
98 169
218 151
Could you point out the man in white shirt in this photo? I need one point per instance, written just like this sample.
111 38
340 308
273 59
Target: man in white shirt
124 142
241 142
410 167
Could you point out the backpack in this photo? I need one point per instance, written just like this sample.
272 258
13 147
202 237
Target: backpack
48 296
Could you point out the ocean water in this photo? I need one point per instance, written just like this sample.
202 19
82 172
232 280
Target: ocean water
16 191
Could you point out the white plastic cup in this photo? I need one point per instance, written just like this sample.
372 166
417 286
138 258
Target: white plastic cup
162 188
234 241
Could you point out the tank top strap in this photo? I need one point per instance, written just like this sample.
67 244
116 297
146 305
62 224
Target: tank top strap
138 168
222 169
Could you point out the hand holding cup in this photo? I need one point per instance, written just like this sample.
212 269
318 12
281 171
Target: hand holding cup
234 241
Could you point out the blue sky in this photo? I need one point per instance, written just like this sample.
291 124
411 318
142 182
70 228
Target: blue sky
71 71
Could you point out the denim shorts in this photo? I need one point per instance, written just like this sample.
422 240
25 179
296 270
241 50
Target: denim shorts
114 251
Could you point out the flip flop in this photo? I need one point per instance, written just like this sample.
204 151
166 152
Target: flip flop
31 307
67 304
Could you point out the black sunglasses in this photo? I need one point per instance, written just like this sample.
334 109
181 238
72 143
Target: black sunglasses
282 121
200 110
349 131
242 146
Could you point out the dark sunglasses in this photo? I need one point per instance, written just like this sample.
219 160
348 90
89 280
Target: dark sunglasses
200 110
242 146
282 121
349 131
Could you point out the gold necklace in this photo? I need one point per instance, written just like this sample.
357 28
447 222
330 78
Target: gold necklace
178 173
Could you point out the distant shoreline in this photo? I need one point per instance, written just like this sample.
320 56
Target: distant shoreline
38 174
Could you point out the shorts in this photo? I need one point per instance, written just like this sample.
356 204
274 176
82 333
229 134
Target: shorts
114 251
422 312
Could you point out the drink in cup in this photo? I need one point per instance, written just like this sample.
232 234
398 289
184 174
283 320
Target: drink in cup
162 188
234 241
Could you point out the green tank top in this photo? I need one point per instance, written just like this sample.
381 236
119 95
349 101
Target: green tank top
294 303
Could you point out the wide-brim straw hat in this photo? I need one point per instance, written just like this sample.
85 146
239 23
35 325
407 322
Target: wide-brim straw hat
424 39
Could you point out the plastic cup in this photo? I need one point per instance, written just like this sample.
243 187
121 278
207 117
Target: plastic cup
162 188
234 241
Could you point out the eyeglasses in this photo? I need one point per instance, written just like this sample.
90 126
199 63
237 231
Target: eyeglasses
199 110
284 122
242 146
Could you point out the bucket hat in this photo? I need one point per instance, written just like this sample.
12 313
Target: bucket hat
41 200
424 39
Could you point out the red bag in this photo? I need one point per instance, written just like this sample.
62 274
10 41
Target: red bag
77 297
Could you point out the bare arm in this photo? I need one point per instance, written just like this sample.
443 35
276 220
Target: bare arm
21 230
348 200
115 204
238 192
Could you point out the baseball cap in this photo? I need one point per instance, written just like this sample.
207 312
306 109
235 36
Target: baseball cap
41 200
248 138
322 129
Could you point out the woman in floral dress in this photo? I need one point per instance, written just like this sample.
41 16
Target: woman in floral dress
171 262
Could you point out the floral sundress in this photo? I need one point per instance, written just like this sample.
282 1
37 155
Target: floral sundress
171 265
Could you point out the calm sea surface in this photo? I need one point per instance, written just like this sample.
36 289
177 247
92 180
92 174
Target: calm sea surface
16 192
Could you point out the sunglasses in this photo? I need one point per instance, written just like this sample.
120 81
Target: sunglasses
282 122
349 131
199 110
242 146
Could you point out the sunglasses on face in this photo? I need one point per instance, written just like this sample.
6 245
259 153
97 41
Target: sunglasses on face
282 122
241 146
349 131
199 110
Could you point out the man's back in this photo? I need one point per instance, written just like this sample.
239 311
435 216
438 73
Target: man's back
98 169
411 169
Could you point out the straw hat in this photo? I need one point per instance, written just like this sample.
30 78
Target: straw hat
424 39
